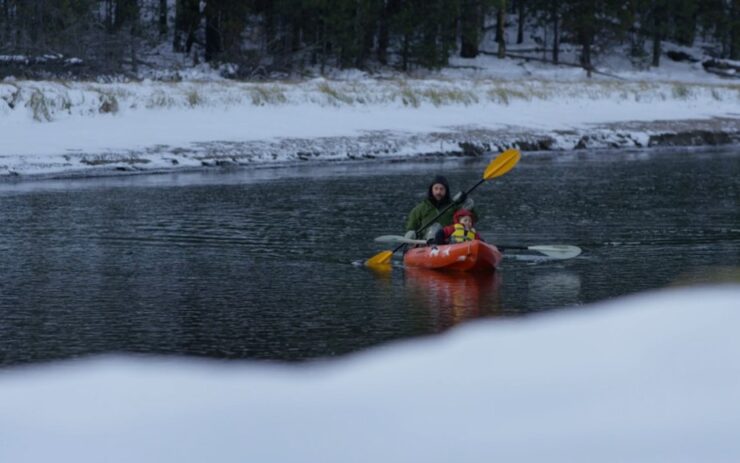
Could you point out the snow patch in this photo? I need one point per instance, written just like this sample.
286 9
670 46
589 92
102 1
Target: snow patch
651 377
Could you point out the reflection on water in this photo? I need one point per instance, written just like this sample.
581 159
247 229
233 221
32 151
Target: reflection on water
561 287
453 297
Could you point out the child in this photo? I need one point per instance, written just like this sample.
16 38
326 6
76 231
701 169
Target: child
462 229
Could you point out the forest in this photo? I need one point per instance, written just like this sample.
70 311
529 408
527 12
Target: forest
258 38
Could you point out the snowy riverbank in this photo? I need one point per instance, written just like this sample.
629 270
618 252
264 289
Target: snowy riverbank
650 378
57 129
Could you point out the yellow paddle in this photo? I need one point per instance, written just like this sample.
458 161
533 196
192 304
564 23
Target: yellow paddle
503 163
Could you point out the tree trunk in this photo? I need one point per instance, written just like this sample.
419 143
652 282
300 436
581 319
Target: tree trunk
163 17
555 18
656 50
179 26
521 18
5 38
390 8
369 33
586 28
126 12
500 24
735 30
657 31
383 39
187 17
405 52
108 19
469 28
586 57
636 36
359 31
324 46
214 44
132 38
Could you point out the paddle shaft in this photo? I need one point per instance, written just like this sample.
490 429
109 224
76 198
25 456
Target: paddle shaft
505 247
453 203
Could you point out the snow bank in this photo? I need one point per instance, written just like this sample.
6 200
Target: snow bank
49 128
649 378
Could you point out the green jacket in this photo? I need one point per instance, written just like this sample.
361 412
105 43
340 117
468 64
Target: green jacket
425 211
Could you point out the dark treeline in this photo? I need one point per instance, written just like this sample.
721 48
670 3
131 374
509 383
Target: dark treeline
290 35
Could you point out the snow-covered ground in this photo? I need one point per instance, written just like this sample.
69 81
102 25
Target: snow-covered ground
52 128
648 378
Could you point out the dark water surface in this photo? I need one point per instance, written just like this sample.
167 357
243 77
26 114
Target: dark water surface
257 264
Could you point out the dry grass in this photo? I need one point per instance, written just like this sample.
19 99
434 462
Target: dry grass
193 97
262 94
108 103
681 92
159 99
335 96
46 102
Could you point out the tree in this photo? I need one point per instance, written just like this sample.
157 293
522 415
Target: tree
658 16
581 20
683 18
187 18
555 20
630 18
214 15
521 20
162 17
126 13
387 12
291 34
500 25
471 17
735 30
224 23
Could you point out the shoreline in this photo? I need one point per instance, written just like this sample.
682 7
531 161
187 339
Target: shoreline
380 145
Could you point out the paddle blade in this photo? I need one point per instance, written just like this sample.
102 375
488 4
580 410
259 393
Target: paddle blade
557 251
381 258
503 163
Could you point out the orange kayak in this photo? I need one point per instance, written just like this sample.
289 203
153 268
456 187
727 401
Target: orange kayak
471 256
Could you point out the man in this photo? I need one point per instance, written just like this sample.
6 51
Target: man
438 198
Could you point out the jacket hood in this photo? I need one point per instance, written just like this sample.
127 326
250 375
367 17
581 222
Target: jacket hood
443 181
460 213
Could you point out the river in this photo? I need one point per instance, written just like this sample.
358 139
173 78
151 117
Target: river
258 263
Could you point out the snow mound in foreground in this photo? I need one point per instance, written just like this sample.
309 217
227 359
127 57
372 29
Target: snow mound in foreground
651 377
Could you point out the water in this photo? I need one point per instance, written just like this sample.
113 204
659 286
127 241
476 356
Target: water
258 264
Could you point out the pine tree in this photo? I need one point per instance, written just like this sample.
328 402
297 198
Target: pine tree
162 23
555 19
683 19
187 19
470 12
580 19
521 20
500 28
734 30
658 18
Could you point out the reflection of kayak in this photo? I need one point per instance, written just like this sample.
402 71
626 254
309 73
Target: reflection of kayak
470 256
449 298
